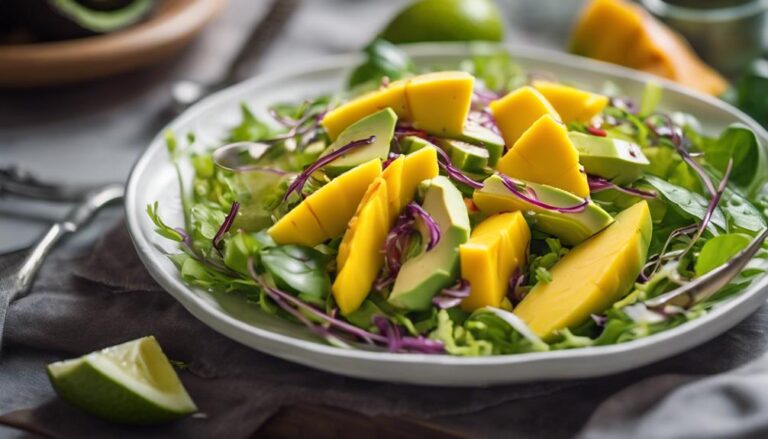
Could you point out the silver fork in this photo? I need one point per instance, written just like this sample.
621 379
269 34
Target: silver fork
706 286
16 279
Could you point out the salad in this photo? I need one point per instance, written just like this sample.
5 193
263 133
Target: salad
468 210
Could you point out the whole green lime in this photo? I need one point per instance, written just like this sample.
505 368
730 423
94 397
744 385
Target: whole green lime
446 20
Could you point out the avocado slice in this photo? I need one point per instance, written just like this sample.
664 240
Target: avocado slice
616 160
424 276
571 228
380 124
409 144
465 156
61 19
479 135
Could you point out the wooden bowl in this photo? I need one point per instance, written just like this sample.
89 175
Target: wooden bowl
171 26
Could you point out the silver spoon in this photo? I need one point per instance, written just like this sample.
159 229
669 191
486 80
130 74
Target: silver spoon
15 281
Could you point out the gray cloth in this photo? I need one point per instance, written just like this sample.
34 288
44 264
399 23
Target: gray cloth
90 297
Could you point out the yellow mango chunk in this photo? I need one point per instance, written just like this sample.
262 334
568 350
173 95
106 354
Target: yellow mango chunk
393 175
392 96
572 104
299 226
623 33
518 110
418 166
544 154
325 213
361 260
592 276
439 102
497 247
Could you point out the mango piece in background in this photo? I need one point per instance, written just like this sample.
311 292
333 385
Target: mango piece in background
544 154
518 110
497 248
623 33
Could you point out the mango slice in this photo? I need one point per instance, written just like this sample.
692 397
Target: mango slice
591 277
359 259
392 96
518 110
624 33
496 249
393 175
572 104
325 213
440 101
435 102
544 154
418 166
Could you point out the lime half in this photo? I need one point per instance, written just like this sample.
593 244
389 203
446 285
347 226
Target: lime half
130 383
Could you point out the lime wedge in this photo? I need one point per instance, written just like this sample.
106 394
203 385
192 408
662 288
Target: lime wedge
131 383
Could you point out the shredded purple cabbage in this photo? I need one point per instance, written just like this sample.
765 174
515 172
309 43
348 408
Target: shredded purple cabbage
390 158
454 173
399 237
599 320
300 308
302 178
599 184
452 296
514 286
513 187
670 131
656 260
225 225
413 210
485 119
712 204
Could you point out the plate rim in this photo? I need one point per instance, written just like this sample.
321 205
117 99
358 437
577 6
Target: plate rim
188 297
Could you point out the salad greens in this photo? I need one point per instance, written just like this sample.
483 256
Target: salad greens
704 194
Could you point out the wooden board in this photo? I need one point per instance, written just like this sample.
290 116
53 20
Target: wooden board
172 26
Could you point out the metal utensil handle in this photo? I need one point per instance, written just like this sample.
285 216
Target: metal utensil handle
707 285
77 217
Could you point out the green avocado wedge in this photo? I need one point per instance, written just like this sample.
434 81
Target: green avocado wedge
409 144
616 160
380 124
424 276
571 227
481 136
465 156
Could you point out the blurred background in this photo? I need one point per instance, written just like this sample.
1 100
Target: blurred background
85 84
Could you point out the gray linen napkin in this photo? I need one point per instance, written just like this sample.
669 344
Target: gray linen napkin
91 298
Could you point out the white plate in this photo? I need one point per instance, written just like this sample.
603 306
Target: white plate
153 179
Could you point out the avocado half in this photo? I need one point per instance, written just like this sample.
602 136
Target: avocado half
62 19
